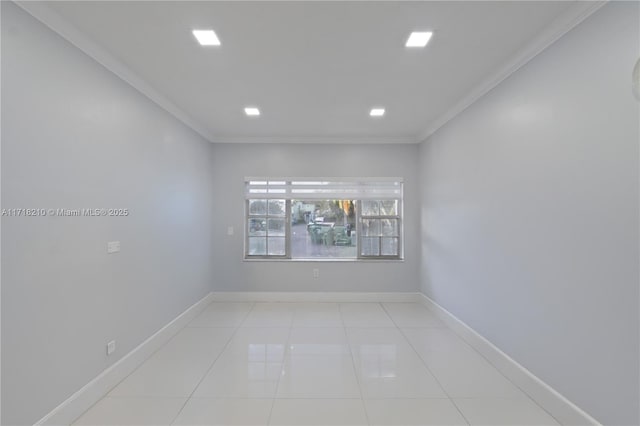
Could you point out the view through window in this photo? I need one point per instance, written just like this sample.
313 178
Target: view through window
323 228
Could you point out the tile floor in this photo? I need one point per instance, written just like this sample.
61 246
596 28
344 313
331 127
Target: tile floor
316 364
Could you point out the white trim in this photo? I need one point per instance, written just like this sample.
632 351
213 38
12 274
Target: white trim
43 13
92 392
321 296
548 398
580 11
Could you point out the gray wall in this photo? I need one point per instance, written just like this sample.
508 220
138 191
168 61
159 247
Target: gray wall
232 163
530 216
73 136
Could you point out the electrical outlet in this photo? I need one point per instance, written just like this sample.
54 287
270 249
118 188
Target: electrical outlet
111 347
113 247
230 230
316 273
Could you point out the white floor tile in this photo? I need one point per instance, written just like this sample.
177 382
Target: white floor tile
387 377
433 340
411 315
320 412
364 315
316 364
132 411
413 412
211 411
379 342
176 369
270 315
318 341
469 377
221 314
497 411
388 367
462 372
327 376
259 342
249 367
243 376
317 315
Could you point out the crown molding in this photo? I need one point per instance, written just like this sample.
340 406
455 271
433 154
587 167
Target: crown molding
341 140
558 28
43 13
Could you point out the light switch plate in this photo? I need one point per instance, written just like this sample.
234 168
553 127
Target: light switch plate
230 230
111 347
113 247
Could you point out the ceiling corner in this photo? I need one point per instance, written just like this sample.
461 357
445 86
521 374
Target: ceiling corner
46 15
580 11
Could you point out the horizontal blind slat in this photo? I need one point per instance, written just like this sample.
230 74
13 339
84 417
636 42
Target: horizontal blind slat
358 189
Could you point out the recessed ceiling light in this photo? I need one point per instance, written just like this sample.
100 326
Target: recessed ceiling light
252 111
206 37
418 39
376 112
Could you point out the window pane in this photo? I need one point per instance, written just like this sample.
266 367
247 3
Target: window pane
257 246
258 207
323 229
370 246
370 227
389 227
389 208
276 246
276 227
370 208
389 246
276 207
257 226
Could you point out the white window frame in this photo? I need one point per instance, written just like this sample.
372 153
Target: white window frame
356 189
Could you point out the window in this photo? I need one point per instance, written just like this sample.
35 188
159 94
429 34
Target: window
323 218
380 228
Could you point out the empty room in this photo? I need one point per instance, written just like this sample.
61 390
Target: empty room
320 213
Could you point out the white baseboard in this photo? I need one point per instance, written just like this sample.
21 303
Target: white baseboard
83 399
566 412
344 297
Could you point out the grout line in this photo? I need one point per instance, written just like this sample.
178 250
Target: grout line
353 362
425 364
235 331
284 360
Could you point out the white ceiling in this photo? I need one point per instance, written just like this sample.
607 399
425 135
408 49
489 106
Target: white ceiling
315 69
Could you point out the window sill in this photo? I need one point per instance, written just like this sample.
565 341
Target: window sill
383 260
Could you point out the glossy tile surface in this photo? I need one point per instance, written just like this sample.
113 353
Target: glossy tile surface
132 411
507 412
225 412
219 314
300 412
316 364
462 372
317 315
326 376
177 368
413 412
411 315
364 315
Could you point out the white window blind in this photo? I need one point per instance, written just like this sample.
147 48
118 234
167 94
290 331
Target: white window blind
323 189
